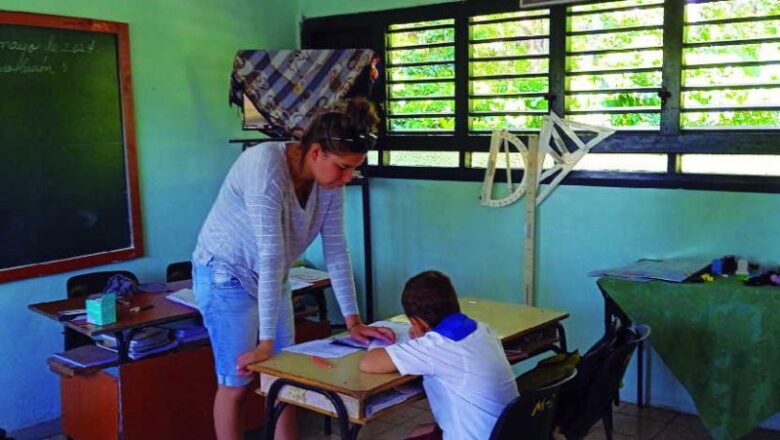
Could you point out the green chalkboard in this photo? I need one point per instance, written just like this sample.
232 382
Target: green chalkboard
67 173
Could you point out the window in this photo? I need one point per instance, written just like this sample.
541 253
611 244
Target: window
508 70
731 65
614 53
693 87
421 77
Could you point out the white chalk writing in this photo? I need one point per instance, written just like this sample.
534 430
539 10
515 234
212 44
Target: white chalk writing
25 65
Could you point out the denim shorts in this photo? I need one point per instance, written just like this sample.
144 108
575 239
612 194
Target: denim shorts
231 317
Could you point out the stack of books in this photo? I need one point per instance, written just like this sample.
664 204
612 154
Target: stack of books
187 330
145 342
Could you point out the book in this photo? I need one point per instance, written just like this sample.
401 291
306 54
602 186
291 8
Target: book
185 297
392 397
87 356
671 269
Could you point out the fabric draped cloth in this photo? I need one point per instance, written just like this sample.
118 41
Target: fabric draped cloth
720 339
288 87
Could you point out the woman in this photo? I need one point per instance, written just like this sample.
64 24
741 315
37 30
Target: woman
274 201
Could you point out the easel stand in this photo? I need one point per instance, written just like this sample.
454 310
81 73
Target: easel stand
551 141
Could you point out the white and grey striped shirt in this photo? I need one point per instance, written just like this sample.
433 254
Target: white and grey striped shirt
257 228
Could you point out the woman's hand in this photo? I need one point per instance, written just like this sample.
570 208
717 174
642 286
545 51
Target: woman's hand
365 333
260 353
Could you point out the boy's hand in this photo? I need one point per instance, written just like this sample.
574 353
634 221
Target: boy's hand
260 353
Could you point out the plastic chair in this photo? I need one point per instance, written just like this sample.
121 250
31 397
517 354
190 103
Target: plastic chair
531 415
179 271
590 397
84 285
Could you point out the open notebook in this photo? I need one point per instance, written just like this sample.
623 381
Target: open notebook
341 346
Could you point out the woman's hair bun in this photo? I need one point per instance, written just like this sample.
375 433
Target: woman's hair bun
360 115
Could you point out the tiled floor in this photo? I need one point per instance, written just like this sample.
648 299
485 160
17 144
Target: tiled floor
631 423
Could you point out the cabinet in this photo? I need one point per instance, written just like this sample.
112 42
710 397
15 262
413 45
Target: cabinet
163 397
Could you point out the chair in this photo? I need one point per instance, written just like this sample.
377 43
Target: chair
179 271
84 285
589 398
531 415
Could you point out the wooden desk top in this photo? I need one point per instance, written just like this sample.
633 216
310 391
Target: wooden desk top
163 311
509 320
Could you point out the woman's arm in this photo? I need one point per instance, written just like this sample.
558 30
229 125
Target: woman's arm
264 199
262 352
336 254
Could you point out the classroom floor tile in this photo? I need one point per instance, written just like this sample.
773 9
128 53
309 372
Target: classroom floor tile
631 423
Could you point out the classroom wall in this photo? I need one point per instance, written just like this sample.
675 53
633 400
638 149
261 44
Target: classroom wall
181 56
429 224
182 53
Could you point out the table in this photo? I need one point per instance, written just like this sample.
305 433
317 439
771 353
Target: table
344 390
161 312
169 395
720 339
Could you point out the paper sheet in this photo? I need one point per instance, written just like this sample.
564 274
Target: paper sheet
308 274
296 284
322 348
184 297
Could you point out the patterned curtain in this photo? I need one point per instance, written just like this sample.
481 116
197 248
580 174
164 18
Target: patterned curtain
287 87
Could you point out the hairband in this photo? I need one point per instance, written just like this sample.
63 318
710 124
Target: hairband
368 140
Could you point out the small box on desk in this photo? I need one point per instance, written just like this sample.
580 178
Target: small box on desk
101 309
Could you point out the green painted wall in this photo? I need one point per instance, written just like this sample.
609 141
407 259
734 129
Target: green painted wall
428 224
182 53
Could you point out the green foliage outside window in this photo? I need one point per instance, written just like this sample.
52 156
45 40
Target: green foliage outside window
740 58
613 54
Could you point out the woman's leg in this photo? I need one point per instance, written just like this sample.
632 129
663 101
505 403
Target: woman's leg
230 315
287 426
228 412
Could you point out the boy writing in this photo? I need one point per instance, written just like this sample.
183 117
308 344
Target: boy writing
465 372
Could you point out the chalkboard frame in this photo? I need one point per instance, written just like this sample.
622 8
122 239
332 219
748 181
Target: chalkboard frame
124 86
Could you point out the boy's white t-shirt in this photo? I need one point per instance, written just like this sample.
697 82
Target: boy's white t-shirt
468 382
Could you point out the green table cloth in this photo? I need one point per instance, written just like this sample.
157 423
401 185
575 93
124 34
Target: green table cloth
720 339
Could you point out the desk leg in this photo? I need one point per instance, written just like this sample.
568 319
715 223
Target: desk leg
274 409
561 337
122 347
640 361
613 312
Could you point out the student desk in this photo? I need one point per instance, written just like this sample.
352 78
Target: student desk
169 395
345 390
720 339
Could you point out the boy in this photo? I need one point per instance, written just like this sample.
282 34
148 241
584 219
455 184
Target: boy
465 372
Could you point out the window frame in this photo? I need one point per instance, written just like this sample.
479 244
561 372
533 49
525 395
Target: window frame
669 139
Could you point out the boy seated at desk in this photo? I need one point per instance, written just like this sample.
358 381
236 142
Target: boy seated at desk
465 372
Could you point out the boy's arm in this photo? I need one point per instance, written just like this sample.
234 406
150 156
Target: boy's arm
377 361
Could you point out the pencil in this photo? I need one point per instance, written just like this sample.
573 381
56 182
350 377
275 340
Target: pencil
320 362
